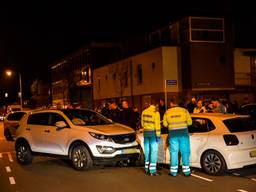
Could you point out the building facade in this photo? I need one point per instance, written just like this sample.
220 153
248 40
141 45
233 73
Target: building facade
244 74
189 57
194 56
149 75
72 75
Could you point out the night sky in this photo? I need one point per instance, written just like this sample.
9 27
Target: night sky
33 36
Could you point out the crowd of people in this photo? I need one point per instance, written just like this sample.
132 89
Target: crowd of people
130 115
125 114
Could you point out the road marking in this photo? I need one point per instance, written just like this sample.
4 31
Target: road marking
253 179
10 156
241 190
203 178
8 169
12 180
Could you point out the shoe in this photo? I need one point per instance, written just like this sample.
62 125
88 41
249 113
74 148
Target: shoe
154 174
172 175
187 174
146 171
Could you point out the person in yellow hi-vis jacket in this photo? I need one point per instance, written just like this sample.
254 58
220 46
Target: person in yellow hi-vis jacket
150 121
177 119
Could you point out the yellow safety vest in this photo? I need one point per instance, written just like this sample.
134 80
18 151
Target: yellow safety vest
150 120
177 118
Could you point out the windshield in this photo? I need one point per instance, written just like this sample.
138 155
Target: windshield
240 124
86 117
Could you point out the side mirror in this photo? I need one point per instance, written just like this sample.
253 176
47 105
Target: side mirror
111 120
60 124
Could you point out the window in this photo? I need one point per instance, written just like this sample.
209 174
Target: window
86 74
153 66
84 117
15 116
54 117
207 29
39 119
125 79
98 83
114 76
139 74
240 124
201 125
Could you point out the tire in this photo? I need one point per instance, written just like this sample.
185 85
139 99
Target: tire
213 163
8 135
140 161
81 158
23 153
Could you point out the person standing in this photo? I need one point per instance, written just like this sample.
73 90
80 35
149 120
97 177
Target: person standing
162 109
177 119
191 105
114 112
127 115
150 121
199 108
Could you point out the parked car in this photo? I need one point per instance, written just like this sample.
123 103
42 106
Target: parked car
11 123
218 142
12 108
83 136
2 115
248 109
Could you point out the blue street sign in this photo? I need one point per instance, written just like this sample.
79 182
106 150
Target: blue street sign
171 82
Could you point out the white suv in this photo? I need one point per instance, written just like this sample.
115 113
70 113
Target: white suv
83 136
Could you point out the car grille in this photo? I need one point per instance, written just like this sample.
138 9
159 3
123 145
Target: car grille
122 139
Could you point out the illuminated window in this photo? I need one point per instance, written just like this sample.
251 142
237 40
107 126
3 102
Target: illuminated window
86 75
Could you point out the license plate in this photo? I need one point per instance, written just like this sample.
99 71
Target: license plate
253 153
129 151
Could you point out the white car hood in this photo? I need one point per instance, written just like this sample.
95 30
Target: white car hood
112 129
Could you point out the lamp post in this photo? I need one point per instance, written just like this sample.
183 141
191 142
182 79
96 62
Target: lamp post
9 73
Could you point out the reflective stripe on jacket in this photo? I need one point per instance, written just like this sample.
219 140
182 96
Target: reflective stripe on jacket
150 120
177 118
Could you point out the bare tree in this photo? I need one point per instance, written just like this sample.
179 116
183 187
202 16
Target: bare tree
119 73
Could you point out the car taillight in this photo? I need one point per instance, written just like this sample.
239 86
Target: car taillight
230 140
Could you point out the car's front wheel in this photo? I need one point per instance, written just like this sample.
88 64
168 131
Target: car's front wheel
213 163
81 158
23 153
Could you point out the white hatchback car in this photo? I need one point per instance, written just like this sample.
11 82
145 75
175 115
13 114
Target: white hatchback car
11 123
218 142
83 136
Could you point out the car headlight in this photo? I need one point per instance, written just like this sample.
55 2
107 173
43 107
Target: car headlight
101 137
105 149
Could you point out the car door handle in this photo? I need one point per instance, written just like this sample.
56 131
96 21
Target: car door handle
28 129
47 131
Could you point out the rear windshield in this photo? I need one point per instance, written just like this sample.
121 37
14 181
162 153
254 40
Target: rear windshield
240 124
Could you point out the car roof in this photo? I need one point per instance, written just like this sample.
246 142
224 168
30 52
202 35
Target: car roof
221 116
248 104
59 110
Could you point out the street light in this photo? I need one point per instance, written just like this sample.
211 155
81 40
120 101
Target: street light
9 73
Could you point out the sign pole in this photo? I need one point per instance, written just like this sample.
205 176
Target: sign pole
165 95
